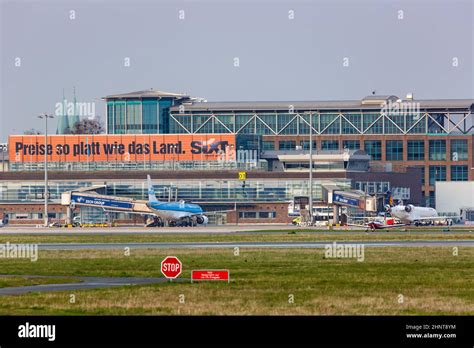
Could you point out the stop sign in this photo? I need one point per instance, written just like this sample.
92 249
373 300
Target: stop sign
171 267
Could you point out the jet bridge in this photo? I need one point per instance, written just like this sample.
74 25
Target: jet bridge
354 199
88 197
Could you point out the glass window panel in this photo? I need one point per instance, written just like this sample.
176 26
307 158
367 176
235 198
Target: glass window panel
416 150
374 149
437 150
459 173
394 150
459 150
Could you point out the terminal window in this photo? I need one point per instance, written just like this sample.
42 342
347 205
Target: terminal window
257 214
329 145
459 150
437 173
459 173
416 150
394 150
351 144
437 150
374 149
422 175
305 144
268 145
287 145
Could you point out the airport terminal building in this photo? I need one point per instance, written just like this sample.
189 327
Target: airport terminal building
185 142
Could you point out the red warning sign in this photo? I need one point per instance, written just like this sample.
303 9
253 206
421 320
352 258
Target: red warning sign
209 274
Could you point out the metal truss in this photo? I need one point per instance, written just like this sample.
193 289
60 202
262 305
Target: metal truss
324 123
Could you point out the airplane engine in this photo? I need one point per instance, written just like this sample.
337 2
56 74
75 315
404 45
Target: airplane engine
408 208
388 208
202 220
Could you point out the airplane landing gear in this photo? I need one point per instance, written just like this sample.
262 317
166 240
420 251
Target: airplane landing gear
183 222
155 222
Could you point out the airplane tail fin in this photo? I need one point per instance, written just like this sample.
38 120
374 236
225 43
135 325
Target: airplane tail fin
390 201
151 191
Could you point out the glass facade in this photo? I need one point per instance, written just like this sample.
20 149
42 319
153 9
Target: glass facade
432 199
268 145
374 149
110 118
140 116
150 117
459 150
141 165
416 150
372 187
286 145
119 118
134 122
257 214
220 190
423 175
394 150
437 173
329 145
437 150
351 144
459 173
305 145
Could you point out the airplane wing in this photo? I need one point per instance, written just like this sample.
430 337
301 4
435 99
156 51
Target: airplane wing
435 218
393 226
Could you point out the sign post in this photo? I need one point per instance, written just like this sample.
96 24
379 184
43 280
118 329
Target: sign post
171 267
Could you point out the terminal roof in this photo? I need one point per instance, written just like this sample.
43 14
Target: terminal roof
149 93
370 102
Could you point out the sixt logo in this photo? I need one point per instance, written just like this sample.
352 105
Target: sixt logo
208 147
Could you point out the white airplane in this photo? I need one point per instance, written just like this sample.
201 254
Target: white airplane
410 214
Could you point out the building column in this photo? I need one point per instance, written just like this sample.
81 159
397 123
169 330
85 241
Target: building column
68 215
335 211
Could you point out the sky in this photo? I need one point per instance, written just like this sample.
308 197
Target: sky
229 51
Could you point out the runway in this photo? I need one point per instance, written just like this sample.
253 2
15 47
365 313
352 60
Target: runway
82 283
218 229
213 229
256 245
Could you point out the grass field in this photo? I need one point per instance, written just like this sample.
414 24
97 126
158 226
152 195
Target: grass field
431 280
209 237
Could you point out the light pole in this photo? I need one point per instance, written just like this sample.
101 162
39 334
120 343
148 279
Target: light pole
46 191
4 149
310 203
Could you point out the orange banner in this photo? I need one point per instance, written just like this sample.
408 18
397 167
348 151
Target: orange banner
120 148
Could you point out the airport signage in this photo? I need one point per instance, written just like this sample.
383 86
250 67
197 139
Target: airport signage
344 200
100 202
171 267
119 148
200 275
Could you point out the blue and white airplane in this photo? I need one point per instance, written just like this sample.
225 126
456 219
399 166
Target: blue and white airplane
181 213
